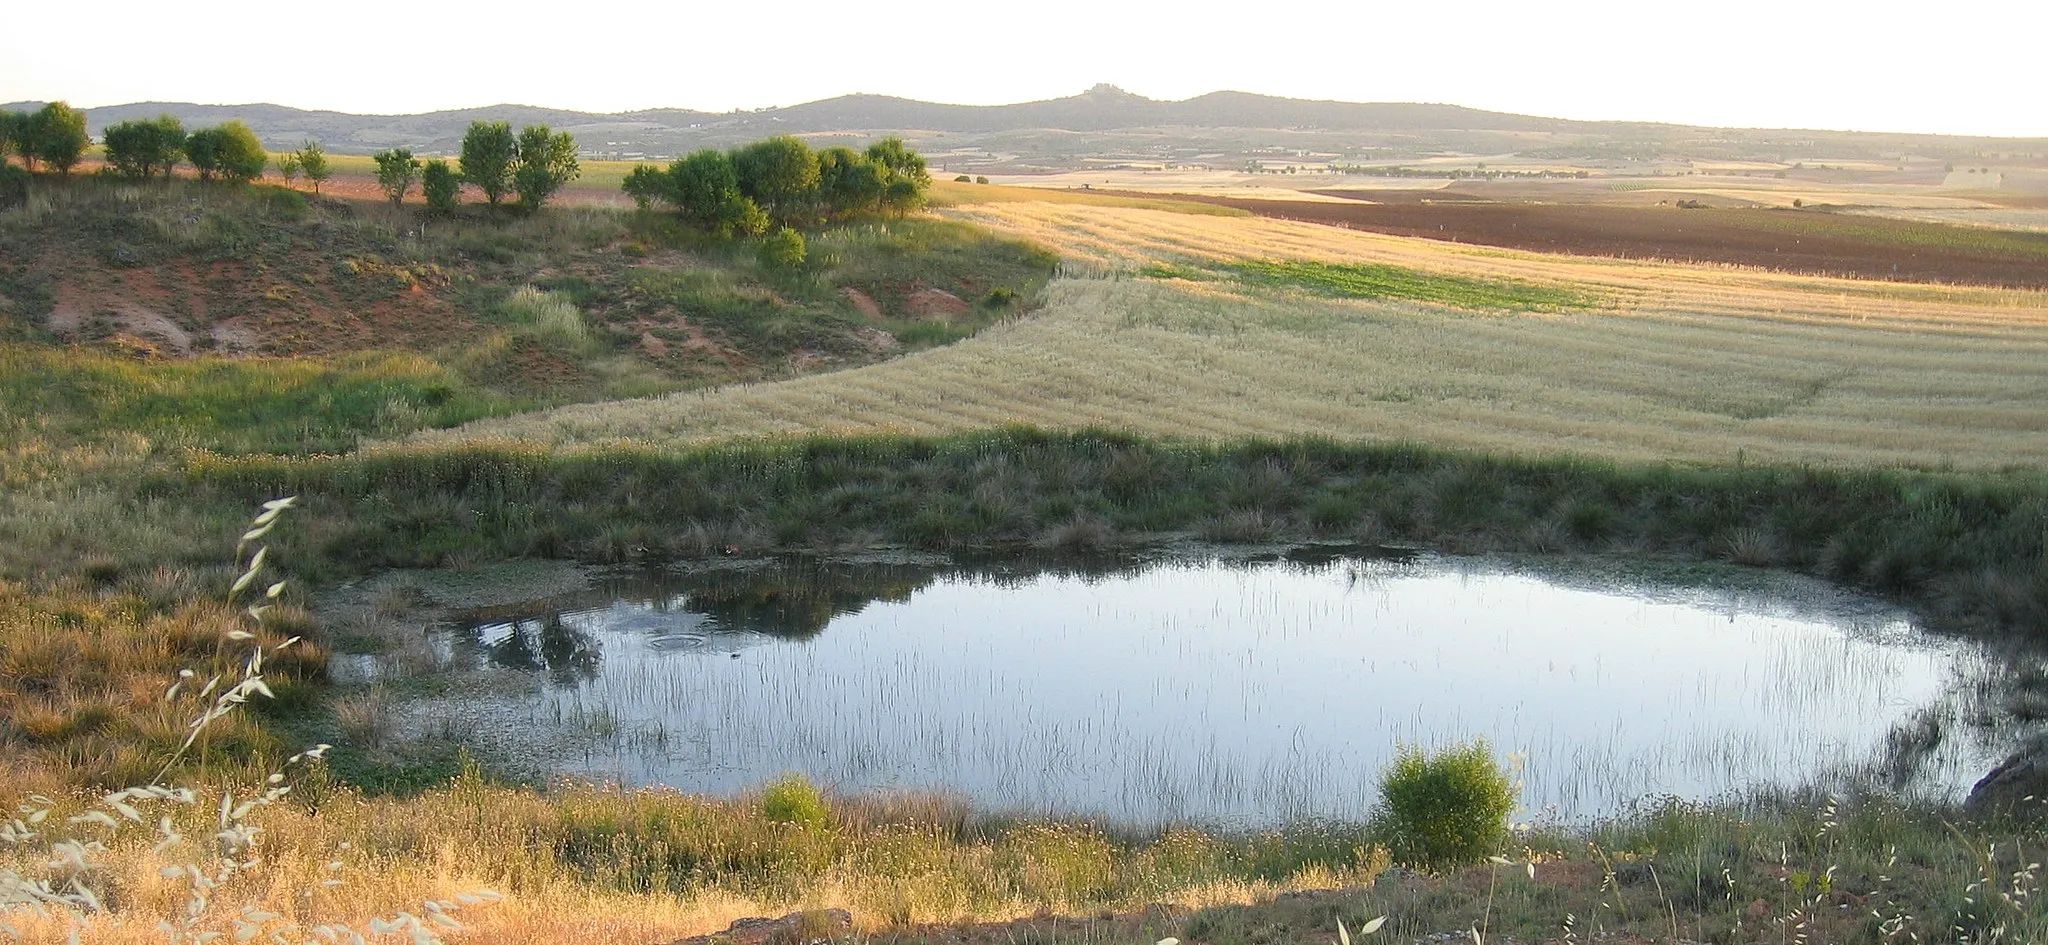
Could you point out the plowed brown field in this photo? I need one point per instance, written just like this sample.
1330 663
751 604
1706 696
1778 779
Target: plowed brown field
1803 241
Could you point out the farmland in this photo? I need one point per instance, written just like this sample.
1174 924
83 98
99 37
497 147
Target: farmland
1788 240
1805 369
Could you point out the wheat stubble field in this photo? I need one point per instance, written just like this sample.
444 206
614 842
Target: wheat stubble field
1670 361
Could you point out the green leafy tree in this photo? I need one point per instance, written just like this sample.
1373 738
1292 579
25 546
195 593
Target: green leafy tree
228 150
10 132
905 180
547 163
646 184
705 187
241 153
397 171
202 148
55 135
781 175
847 181
441 186
489 151
145 147
288 166
313 164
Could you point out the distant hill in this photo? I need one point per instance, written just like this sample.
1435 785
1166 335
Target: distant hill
1103 108
1104 121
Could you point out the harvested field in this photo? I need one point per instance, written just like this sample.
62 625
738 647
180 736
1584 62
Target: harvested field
1684 362
1802 241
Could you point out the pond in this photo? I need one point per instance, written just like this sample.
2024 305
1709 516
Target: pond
1241 691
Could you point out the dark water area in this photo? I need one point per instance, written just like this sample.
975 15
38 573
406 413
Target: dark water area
1231 691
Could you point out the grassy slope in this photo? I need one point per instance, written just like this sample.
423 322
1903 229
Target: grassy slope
181 270
1683 363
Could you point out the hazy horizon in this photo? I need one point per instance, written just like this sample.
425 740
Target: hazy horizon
89 106
1747 64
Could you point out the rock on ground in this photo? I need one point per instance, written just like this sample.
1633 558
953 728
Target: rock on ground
796 928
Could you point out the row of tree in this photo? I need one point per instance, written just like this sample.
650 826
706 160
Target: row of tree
53 136
533 165
782 181
148 147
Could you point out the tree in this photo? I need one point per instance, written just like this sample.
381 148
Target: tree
903 196
55 135
780 174
904 177
288 166
202 148
847 181
441 186
397 171
144 148
646 184
488 153
229 149
313 164
10 131
241 153
546 163
705 187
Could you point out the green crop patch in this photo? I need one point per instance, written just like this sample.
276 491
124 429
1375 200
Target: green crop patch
1375 281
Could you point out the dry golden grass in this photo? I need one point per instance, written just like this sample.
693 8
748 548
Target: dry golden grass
388 855
1690 362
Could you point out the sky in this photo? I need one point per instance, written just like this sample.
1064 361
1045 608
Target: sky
1872 65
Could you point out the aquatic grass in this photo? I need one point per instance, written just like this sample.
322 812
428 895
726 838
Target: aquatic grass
1923 537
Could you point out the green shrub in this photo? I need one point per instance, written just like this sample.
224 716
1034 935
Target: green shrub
793 799
1444 809
441 186
783 249
13 186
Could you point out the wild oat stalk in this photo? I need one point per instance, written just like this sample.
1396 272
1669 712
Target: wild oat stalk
65 890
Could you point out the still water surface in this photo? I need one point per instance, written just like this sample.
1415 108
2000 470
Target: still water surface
1242 692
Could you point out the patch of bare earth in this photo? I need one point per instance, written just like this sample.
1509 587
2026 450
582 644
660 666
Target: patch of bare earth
934 303
861 302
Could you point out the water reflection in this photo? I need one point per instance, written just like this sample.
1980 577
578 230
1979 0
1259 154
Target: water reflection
1243 690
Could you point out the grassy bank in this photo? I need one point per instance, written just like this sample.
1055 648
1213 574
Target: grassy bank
1968 550
599 864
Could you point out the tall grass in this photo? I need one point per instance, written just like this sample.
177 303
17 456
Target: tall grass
300 405
1968 550
548 317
